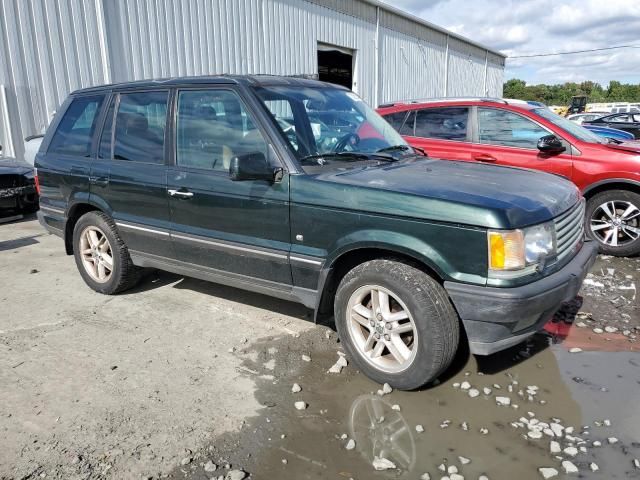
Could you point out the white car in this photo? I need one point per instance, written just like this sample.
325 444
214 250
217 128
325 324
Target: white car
584 117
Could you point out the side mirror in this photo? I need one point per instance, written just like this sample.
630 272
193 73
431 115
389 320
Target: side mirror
253 166
550 144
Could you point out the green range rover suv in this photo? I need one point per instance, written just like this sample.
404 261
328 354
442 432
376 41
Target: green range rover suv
297 189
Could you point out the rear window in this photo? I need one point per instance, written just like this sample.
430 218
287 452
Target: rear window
75 131
396 120
442 123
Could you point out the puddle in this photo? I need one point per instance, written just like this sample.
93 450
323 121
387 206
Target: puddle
577 389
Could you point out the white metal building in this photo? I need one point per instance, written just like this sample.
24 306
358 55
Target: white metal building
49 48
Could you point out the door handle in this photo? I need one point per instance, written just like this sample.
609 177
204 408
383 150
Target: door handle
99 181
180 193
485 157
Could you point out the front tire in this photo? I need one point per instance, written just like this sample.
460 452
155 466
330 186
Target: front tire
613 220
397 323
101 256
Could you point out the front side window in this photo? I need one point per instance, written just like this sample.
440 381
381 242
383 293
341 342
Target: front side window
75 131
140 127
213 126
618 119
442 123
501 127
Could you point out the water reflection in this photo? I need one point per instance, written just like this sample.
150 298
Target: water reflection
380 431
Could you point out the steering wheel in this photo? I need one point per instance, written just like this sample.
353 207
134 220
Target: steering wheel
349 138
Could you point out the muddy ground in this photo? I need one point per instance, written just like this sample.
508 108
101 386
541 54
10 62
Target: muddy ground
180 376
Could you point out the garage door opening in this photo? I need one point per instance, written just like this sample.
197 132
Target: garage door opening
335 65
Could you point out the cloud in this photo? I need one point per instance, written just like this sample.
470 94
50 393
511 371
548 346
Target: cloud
546 26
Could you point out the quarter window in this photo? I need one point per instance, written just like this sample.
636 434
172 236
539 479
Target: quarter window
500 127
75 131
442 123
140 127
213 126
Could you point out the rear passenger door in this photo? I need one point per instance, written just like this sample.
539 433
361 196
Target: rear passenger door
129 178
508 138
235 228
441 131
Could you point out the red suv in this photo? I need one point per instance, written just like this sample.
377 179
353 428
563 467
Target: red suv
519 134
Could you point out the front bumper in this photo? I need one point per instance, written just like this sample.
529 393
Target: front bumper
498 318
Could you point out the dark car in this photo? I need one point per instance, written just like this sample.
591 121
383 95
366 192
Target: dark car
629 122
17 187
233 180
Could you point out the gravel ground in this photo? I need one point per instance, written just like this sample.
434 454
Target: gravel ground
185 379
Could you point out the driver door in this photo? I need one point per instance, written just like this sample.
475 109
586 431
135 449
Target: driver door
239 228
508 138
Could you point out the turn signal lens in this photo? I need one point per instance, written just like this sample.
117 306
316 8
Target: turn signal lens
36 181
506 250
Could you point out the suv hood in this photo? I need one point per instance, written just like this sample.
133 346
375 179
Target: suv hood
455 192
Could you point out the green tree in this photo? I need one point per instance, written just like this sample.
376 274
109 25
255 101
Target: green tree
560 94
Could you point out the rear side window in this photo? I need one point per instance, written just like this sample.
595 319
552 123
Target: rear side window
500 127
442 123
140 127
396 119
75 131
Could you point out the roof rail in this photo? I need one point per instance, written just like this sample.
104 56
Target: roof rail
445 99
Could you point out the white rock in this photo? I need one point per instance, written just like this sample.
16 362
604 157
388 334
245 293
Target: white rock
456 476
300 405
339 365
569 467
285 461
594 467
612 440
210 467
452 469
382 464
235 475
474 392
296 388
557 429
534 434
395 407
571 451
503 401
351 444
598 330
606 423
464 460
636 463
597 443
425 476
554 447
456 385
484 431
483 477
609 329
464 426
306 358
575 350
419 428
548 472
442 467
486 391
465 385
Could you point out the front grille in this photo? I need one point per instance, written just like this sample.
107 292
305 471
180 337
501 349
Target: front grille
569 229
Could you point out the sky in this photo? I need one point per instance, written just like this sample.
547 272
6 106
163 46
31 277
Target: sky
545 26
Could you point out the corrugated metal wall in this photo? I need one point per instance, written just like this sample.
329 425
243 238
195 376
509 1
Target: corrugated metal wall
49 48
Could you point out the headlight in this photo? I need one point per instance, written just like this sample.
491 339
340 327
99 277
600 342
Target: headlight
515 250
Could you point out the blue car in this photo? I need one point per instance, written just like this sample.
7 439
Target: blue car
610 132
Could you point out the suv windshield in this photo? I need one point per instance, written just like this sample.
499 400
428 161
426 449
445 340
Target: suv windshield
572 128
330 126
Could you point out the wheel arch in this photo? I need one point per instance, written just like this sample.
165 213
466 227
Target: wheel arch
611 184
74 213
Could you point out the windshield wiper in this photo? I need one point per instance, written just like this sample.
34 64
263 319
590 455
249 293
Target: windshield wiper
402 148
615 141
350 156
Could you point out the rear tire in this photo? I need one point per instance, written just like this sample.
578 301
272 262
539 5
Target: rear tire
101 256
613 220
411 308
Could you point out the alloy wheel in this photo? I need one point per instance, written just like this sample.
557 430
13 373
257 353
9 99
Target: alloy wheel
616 223
96 253
382 328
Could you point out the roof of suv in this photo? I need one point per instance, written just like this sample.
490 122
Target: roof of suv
253 80
460 101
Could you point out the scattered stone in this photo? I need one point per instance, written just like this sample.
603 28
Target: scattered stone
486 391
382 464
484 431
351 444
554 447
210 467
238 474
548 472
474 392
285 461
594 467
465 385
300 405
395 407
339 365
609 329
186 461
575 350
606 423
598 330
296 388
571 451
386 389
569 467
483 477
306 358
636 463
597 443
33 270
76 460
612 440
464 426
557 429
503 401
464 460
425 476
419 428
456 476
534 434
